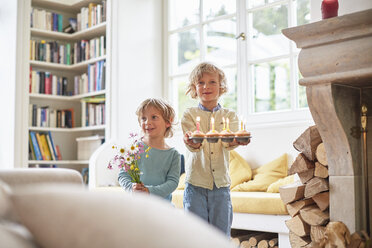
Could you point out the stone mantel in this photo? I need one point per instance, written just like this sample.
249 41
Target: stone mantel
333 50
336 64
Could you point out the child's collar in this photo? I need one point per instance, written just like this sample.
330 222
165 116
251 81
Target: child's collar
218 107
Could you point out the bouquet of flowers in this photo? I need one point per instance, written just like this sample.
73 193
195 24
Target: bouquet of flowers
127 157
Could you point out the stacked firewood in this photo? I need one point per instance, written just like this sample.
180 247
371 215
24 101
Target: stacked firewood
254 239
308 201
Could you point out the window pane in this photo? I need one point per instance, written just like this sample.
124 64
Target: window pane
271 86
215 8
302 98
184 101
183 13
256 3
303 12
230 98
220 41
184 51
267 39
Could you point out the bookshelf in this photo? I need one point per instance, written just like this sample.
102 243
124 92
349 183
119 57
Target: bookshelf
65 78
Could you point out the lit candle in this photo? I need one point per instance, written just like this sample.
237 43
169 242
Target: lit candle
241 122
227 124
212 124
224 123
197 123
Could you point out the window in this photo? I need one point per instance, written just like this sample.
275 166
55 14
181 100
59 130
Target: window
261 69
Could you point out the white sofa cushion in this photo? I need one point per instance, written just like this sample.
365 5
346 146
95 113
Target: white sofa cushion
15 235
4 199
71 217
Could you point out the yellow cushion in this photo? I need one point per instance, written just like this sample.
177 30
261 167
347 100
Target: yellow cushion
274 187
181 183
246 202
265 175
239 169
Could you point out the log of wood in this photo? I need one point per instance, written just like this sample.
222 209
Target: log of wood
313 244
301 164
297 241
322 200
337 234
273 242
317 233
315 186
291 192
254 240
298 226
263 244
306 175
245 244
312 215
355 240
294 208
308 142
321 155
240 238
320 170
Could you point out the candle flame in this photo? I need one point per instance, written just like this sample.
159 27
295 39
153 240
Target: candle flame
241 122
224 124
212 123
227 124
198 118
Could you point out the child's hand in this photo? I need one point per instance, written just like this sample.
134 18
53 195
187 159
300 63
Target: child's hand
139 187
236 143
189 142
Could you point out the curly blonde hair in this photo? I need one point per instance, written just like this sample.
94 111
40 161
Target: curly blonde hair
197 74
166 110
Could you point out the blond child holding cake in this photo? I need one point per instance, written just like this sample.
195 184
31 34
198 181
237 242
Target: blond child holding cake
207 190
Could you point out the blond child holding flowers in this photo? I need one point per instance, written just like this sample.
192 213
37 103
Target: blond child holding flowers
207 190
160 167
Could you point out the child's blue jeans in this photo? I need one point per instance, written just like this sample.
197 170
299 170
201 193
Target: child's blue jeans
214 206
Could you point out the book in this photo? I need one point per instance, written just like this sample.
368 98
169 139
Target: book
40 146
45 147
52 145
58 153
32 153
51 149
60 22
36 146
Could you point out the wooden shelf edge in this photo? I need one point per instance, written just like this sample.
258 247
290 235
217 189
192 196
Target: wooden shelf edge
91 32
79 66
60 129
58 162
66 98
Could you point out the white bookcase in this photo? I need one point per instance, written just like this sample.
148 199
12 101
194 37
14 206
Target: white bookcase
65 138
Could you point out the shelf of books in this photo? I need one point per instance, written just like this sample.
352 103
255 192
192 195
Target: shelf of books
68 87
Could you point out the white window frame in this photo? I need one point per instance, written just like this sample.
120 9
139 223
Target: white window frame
245 108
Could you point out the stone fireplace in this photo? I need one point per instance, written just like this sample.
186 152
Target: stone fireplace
336 64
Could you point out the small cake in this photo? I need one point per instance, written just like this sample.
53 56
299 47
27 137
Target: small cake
212 136
242 136
227 136
197 136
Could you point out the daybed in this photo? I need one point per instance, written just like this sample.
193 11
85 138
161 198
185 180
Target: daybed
255 210
50 208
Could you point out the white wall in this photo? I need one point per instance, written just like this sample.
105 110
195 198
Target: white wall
8 36
345 7
137 62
